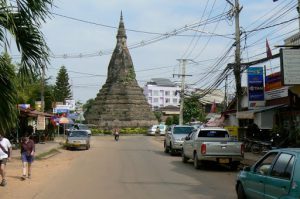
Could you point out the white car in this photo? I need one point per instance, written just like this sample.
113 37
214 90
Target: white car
83 127
162 128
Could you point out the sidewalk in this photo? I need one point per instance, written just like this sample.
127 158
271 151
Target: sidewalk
41 147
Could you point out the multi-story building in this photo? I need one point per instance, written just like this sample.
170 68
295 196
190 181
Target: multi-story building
161 92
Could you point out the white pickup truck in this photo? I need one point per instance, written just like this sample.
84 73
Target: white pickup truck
212 144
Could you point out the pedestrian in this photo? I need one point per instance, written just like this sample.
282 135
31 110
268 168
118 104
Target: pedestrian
5 154
27 156
157 131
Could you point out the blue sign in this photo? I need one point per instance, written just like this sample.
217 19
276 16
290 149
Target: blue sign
256 84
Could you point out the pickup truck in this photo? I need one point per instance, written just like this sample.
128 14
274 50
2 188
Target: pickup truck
212 144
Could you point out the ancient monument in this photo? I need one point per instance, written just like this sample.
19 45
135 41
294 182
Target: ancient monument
120 102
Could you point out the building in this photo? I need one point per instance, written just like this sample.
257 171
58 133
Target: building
120 102
161 92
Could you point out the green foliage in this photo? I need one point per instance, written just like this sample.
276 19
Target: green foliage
23 25
192 109
122 131
62 88
172 120
169 121
158 115
8 95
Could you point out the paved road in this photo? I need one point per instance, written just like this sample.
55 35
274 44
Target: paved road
136 168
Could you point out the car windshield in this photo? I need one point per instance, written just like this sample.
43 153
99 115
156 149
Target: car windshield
77 134
182 130
213 133
161 127
83 127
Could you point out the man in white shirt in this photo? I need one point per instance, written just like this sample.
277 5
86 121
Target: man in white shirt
5 153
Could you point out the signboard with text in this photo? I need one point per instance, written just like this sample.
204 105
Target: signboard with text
41 123
255 87
274 88
290 62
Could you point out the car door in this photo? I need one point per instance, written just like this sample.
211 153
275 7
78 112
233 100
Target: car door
168 136
254 184
189 144
279 182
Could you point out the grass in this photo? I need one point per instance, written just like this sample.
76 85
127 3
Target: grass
47 154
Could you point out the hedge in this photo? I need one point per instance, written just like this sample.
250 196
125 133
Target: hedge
122 131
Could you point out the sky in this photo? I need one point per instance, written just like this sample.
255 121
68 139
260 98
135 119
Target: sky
82 34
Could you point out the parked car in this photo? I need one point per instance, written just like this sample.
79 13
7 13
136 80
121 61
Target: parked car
275 175
212 144
82 127
174 138
152 129
77 139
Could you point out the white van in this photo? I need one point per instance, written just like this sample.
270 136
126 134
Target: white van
162 128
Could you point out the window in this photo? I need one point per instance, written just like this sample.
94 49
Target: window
182 130
155 100
212 133
283 166
167 100
155 93
174 100
150 92
167 93
264 165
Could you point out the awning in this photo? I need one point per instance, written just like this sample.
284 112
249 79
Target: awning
251 113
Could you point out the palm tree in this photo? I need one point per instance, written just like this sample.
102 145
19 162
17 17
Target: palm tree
21 20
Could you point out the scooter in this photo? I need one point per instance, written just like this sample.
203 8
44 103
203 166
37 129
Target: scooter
117 137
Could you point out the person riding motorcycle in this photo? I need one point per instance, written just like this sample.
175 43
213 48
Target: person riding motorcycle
116 134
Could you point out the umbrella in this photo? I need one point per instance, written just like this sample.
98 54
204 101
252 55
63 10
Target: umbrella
64 120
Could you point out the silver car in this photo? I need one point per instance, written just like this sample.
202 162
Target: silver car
174 138
78 139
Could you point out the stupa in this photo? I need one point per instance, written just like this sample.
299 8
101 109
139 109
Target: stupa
120 102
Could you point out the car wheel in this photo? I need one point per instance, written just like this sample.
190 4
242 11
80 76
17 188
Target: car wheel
166 148
172 151
240 192
234 166
184 158
197 163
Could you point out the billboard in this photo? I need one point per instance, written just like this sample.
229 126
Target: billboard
290 62
274 88
71 104
256 96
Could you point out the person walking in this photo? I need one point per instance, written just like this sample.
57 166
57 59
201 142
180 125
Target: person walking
27 156
5 154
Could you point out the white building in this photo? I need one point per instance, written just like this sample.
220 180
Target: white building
161 92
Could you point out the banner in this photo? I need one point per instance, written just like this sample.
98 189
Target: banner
41 123
255 87
274 88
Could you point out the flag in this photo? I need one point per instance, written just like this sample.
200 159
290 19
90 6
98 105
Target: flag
268 50
213 108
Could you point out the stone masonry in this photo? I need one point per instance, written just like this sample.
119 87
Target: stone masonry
120 102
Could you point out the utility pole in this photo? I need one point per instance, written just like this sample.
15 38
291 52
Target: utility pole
298 9
182 63
225 96
237 66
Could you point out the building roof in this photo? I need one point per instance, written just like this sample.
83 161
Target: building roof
161 82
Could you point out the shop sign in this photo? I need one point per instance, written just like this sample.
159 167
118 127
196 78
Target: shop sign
41 123
255 87
290 62
274 88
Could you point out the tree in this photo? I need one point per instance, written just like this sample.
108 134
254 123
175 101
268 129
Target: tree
192 109
21 20
62 88
88 105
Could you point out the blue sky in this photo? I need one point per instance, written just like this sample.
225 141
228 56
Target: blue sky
70 38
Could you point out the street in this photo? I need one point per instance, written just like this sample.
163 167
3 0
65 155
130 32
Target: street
134 167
